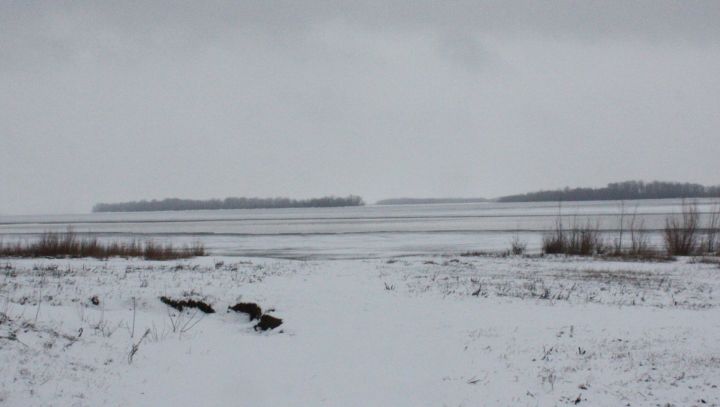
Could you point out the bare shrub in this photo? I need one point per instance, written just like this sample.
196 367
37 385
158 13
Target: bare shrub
517 246
585 240
681 231
183 322
618 246
578 240
639 240
555 242
710 242
632 229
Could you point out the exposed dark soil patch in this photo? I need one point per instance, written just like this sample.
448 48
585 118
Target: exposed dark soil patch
253 310
268 322
182 304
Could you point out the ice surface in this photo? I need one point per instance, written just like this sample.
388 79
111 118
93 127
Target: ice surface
354 232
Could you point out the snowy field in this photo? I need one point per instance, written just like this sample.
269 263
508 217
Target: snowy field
400 331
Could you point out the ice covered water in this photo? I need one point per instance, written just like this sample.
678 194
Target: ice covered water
355 232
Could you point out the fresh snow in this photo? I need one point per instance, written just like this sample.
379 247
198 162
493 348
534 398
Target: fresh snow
408 331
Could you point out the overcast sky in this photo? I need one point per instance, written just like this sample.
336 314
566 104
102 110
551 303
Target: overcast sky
116 101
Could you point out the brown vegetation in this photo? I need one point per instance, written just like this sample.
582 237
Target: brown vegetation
250 308
686 235
639 247
578 240
710 243
268 322
69 244
187 303
517 246
681 232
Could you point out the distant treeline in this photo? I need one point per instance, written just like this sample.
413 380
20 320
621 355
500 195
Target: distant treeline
411 201
620 190
175 204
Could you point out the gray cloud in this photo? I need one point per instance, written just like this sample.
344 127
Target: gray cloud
129 100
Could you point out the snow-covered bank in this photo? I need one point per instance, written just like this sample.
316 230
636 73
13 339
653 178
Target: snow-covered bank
435 331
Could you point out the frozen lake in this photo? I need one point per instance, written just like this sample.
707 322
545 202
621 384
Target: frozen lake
354 232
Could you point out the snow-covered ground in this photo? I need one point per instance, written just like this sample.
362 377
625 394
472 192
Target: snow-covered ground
409 331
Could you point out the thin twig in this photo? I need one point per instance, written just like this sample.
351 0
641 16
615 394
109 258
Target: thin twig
136 346
132 334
